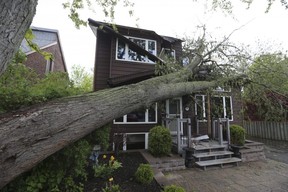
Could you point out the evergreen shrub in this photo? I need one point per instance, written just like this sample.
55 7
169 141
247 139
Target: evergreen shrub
144 174
237 135
174 188
160 141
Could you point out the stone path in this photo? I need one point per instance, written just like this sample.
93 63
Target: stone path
260 176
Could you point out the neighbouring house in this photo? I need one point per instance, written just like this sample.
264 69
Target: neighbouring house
48 40
129 55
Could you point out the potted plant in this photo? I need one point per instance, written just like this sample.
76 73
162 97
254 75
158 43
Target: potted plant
237 139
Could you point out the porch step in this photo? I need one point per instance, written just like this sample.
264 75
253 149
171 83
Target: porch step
208 148
221 162
212 154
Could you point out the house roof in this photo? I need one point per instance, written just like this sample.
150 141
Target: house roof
44 38
108 28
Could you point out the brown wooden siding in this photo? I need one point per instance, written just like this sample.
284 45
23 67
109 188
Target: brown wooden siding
131 128
102 61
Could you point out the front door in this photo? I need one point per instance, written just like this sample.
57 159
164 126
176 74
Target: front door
174 111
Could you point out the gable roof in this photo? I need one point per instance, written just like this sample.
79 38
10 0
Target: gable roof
44 38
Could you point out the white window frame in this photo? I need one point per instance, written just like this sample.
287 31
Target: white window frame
146 118
173 50
127 51
138 133
224 106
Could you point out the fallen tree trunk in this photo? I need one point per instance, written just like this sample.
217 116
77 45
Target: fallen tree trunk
30 136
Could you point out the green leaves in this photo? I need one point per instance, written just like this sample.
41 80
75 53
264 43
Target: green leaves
268 91
29 39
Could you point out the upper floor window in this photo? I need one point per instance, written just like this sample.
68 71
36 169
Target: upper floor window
124 53
169 53
221 107
143 116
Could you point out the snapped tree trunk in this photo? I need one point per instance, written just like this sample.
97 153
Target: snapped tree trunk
16 17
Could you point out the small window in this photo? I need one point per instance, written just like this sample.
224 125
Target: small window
169 53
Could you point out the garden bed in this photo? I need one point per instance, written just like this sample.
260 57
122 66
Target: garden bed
124 176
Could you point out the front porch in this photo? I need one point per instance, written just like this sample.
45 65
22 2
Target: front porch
202 151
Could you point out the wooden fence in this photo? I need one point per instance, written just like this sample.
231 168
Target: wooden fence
267 130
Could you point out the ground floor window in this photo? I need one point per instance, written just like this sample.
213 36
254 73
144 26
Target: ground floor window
141 116
221 107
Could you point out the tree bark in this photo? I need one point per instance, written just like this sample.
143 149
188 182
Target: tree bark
16 17
31 135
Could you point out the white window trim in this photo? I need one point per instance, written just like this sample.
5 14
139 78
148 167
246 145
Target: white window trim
127 50
163 49
146 118
137 133
224 106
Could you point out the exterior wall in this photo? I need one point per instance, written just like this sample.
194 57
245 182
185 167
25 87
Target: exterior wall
102 61
37 61
106 65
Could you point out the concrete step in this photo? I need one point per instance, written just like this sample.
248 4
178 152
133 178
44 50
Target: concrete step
178 168
208 148
212 154
221 162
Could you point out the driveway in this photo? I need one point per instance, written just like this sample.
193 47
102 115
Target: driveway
260 176
276 150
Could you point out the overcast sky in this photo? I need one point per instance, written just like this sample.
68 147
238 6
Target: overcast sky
167 17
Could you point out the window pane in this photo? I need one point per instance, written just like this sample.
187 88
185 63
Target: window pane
170 53
121 50
217 107
140 42
152 114
136 116
120 119
199 107
174 106
228 107
133 56
152 47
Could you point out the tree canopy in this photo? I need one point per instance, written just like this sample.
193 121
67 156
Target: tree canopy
268 91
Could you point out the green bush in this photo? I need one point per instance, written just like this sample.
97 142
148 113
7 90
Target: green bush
237 135
144 174
160 141
174 188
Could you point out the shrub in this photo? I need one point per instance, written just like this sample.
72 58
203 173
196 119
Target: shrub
237 135
174 188
160 141
144 174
